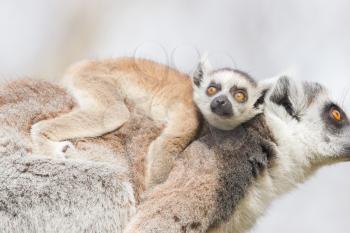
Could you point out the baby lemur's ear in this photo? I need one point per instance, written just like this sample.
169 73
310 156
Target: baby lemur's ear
203 68
263 88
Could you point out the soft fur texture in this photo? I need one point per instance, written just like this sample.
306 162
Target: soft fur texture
104 88
213 188
95 191
212 177
38 195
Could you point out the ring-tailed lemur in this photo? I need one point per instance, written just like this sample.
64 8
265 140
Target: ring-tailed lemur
102 89
224 185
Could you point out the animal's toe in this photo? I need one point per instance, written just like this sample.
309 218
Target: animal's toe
62 148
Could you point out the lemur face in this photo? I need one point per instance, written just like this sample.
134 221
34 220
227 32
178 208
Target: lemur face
305 111
226 97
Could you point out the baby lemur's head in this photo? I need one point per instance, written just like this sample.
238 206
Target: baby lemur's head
226 97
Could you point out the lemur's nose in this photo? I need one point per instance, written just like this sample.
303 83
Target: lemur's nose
221 106
221 101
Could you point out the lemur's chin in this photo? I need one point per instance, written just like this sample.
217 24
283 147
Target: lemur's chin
222 114
225 116
342 158
346 154
347 158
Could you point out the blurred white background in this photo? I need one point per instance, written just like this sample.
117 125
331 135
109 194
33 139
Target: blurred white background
41 38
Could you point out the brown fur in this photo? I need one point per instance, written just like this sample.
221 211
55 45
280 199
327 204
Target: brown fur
102 89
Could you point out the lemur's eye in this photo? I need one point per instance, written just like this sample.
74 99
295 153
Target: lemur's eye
336 115
240 96
212 91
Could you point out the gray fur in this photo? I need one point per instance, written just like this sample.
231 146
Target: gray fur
312 90
209 180
95 190
242 155
38 195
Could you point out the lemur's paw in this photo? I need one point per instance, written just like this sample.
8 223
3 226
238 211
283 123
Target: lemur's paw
44 143
61 149
53 150
43 146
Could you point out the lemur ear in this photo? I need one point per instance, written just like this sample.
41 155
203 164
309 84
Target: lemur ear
264 87
286 93
202 69
261 97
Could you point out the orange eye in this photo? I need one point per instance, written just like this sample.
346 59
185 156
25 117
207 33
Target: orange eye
240 96
336 115
212 90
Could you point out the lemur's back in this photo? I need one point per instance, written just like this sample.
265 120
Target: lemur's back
25 102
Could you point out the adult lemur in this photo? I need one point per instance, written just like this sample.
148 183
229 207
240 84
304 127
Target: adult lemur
210 193
225 180
308 130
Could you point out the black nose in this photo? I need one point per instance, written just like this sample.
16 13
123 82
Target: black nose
221 101
221 106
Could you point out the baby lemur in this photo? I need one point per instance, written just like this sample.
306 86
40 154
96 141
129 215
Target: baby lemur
104 90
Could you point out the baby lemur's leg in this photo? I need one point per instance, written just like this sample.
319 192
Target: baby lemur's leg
99 112
181 129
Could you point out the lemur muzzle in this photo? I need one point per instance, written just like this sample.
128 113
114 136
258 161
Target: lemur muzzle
221 106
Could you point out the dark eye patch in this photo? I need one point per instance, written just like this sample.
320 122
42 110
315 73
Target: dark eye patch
216 85
330 122
235 90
